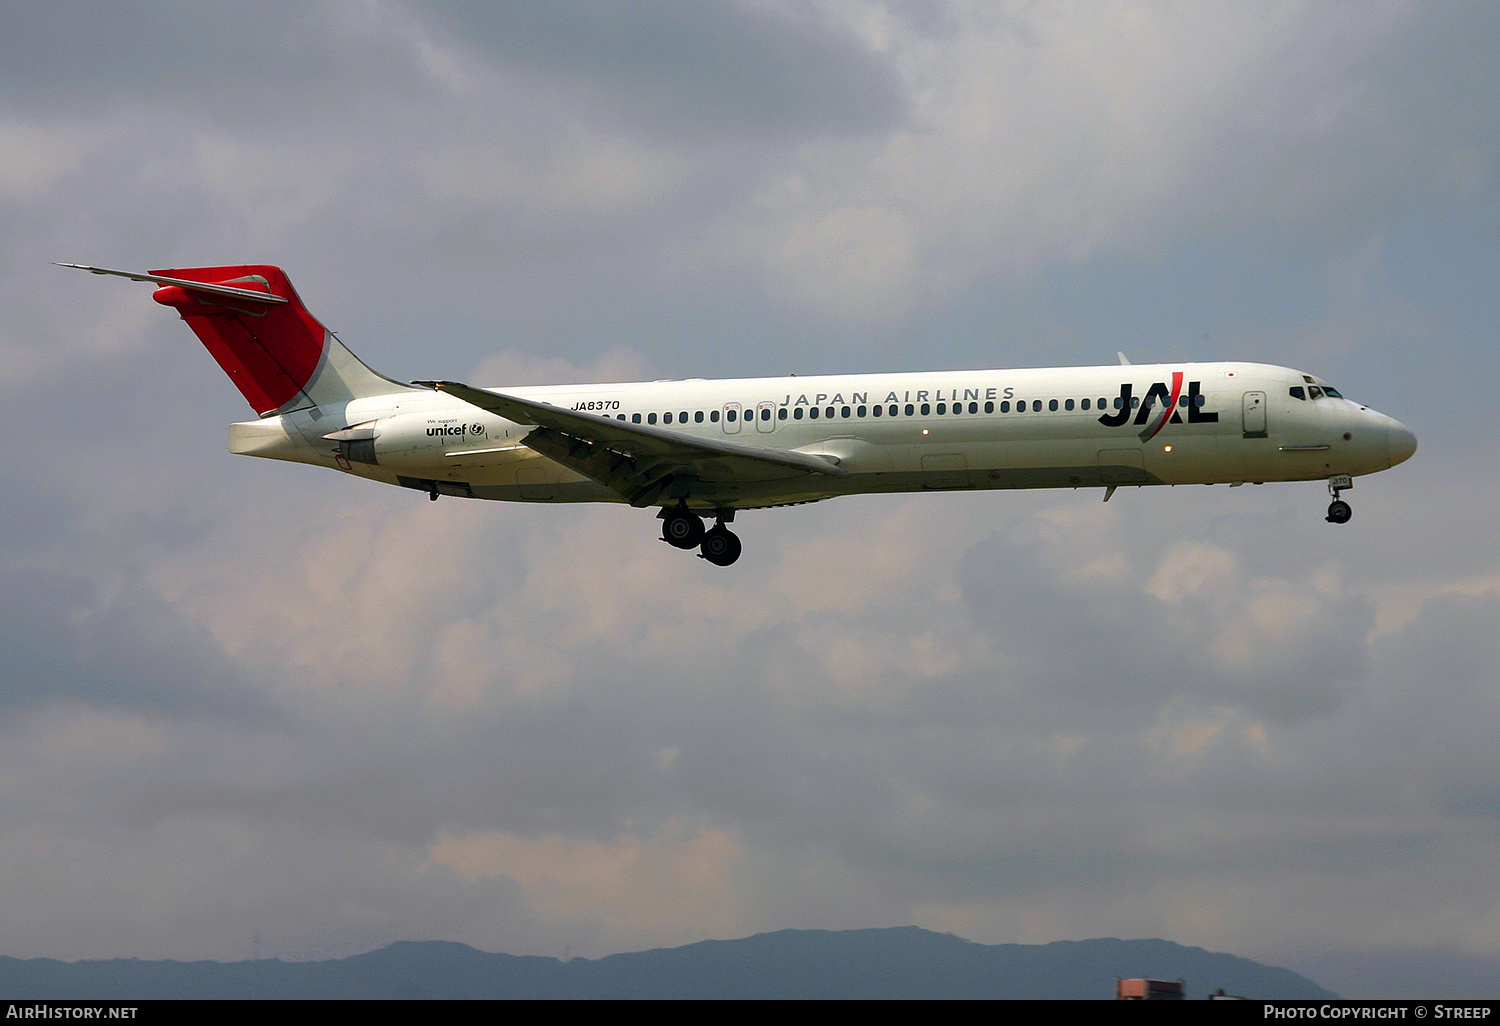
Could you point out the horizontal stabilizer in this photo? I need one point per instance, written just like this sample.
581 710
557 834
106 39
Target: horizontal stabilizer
212 288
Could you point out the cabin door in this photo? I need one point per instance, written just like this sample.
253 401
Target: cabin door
1255 414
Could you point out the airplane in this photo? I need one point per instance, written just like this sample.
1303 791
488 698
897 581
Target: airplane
711 448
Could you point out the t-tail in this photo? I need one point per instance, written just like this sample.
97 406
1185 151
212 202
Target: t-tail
251 320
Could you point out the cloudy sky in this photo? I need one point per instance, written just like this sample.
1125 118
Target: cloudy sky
241 698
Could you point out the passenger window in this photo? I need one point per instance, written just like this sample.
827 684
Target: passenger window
813 412
698 417
650 418
844 412
781 413
797 413
713 416
1052 405
910 409
666 418
877 410
891 412
1068 404
635 418
729 415
942 408
859 411
1005 406
989 407
1084 404
926 409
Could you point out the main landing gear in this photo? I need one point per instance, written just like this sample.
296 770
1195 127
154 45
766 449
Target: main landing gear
1339 511
683 529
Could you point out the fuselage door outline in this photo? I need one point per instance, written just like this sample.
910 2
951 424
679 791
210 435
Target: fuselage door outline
1255 414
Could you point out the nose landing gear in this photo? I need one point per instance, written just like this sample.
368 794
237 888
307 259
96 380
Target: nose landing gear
1339 511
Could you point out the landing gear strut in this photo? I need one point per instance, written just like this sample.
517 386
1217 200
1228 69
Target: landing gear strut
1339 511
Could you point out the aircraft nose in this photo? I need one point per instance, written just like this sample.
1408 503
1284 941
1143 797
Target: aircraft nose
1400 442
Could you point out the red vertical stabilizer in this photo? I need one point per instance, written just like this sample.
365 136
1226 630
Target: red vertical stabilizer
269 350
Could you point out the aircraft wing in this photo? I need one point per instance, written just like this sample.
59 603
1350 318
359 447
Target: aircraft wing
642 463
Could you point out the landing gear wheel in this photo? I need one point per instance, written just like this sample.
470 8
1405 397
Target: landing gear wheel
682 529
720 546
1338 510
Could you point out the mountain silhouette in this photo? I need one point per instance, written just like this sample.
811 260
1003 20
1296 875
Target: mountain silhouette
898 962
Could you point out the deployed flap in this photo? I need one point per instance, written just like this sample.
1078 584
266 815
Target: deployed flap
641 463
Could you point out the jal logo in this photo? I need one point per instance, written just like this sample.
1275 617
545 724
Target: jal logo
1160 402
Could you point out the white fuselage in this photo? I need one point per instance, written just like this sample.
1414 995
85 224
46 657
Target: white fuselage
1038 428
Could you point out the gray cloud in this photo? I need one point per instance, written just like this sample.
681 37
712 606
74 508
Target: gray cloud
686 71
1188 622
64 642
247 69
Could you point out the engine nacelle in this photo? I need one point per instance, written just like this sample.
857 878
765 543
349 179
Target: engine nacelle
418 441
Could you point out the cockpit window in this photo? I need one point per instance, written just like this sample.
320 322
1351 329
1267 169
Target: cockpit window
1296 391
1332 392
1314 392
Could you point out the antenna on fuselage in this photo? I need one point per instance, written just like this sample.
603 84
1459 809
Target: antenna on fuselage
1123 361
